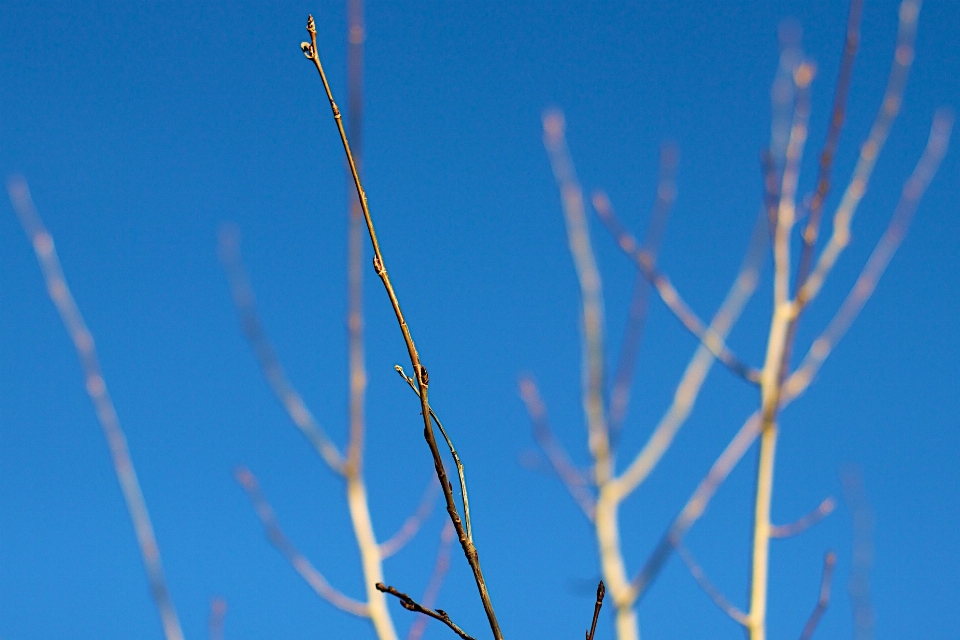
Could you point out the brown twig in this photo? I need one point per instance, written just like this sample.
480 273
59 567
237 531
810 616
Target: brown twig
410 604
218 612
640 300
601 591
297 560
96 389
560 462
823 601
311 51
668 293
824 509
708 587
252 326
412 524
440 568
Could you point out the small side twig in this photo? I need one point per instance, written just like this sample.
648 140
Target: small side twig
411 525
708 587
410 604
824 509
601 591
829 561
440 568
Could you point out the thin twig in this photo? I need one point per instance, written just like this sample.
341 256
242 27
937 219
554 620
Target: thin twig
601 591
412 524
297 560
708 587
311 51
218 612
453 454
640 300
824 509
569 475
861 560
440 568
668 293
96 389
410 604
823 601
246 305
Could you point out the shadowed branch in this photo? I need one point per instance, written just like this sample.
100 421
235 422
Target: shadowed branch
410 604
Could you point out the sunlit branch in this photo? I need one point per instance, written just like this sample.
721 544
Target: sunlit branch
591 293
96 389
412 524
440 568
243 299
297 560
824 509
823 601
632 247
708 587
571 477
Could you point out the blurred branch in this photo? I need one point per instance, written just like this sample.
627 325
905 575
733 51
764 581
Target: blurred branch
432 591
96 389
632 247
824 509
571 477
412 524
218 612
708 588
245 303
410 604
301 565
823 601
861 561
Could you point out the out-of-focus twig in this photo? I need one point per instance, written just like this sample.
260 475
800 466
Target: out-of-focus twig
709 588
411 525
297 560
440 568
410 604
601 591
218 613
823 600
861 561
96 388
824 509
243 299
571 477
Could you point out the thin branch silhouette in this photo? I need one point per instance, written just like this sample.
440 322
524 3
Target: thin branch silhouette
410 604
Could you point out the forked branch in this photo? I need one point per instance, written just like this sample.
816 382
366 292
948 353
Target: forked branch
410 604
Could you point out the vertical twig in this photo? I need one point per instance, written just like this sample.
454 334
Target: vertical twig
218 612
601 591
96 389
440 568
823 600
862 557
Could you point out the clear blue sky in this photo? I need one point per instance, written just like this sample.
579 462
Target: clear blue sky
141 128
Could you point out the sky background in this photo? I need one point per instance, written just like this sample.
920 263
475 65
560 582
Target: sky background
142 127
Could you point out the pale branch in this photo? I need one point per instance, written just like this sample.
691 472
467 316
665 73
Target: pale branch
601 592
440 568
709 588
297 560
560 462
797 527
96 389
311 51
593 351
861 558
640 299
823 600
218 612
857 187
883 252
671 298
410 604
273 371
412 524
696 372
453 454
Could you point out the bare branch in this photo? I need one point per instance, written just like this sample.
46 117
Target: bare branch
571 477
913 191
640 300
591 293
440 568
218 612
410 604
246 305
412 524
823 601
708 588
297 560
632 247
601 591
824 509
96 388
892 99
861 561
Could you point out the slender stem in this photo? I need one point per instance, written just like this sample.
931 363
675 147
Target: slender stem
708 587
469 549
411 526
440 568
824 509
601 591
823 601
410 604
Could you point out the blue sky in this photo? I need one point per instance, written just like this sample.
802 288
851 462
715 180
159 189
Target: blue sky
141 128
